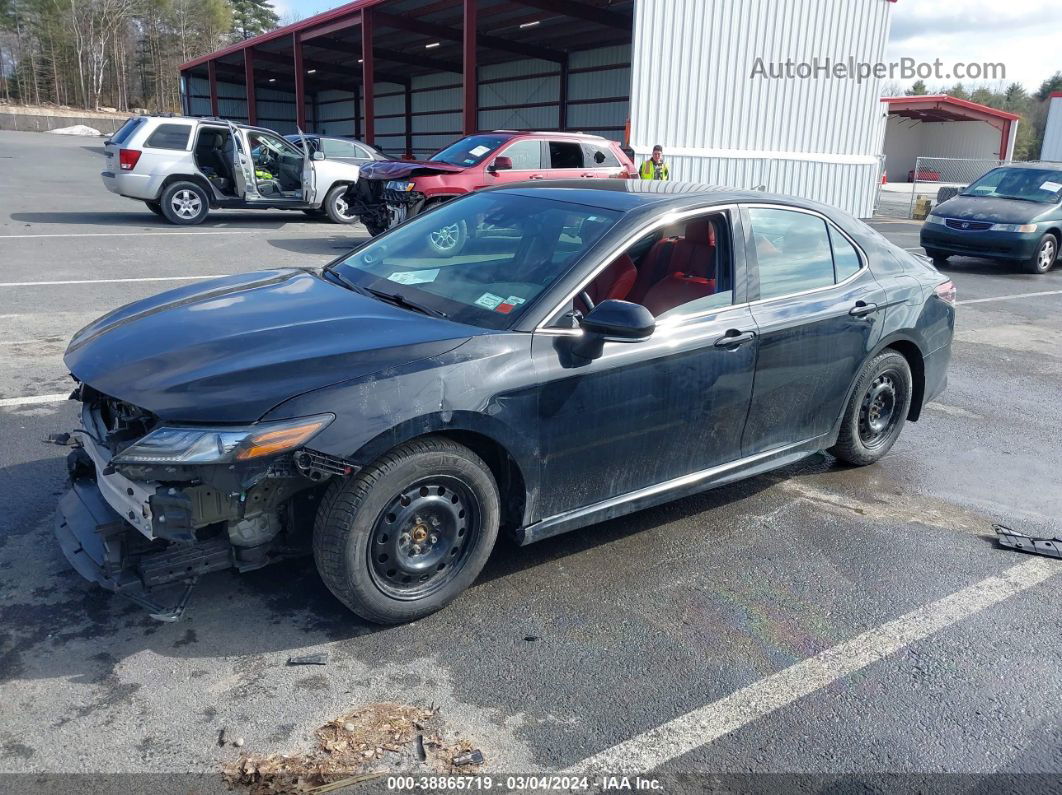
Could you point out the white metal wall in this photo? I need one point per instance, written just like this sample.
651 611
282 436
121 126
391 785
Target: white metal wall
693 92
1052 147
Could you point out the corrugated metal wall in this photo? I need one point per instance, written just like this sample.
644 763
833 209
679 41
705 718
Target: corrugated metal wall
1052 147
693 91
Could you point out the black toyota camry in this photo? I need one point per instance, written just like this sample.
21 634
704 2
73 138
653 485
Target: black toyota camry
593 350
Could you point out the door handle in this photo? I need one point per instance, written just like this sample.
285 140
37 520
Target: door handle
862 309
734 337
536 176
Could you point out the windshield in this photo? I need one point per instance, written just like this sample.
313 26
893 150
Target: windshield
1028 184
482 259
469 151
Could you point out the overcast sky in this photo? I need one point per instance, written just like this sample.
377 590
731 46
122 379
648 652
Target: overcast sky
1024 35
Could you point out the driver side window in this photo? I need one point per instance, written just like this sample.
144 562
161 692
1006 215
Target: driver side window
680 270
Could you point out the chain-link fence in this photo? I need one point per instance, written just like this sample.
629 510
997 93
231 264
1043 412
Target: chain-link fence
940 178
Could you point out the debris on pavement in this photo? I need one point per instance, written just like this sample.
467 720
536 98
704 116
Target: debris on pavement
1051 547
309 659
474 757
378 739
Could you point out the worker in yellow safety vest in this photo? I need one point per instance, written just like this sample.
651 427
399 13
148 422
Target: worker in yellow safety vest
655 167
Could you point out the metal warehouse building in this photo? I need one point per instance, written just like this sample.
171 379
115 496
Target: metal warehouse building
412 75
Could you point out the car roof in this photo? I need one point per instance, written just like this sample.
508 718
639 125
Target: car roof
628 194
1041 165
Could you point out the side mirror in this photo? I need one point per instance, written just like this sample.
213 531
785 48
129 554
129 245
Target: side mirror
501 163
613 321
318 155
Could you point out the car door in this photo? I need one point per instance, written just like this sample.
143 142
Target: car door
309 172
527 159
600 162
819 311
644 413
564 159
242 166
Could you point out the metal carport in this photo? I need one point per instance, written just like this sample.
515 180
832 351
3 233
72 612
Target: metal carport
439 68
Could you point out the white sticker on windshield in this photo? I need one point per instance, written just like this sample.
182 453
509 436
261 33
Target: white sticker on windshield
414 277
488 300
479 150
515 300
1051 187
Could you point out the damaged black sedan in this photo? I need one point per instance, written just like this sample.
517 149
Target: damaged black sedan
592 350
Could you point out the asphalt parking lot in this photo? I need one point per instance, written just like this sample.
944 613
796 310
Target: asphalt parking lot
664 641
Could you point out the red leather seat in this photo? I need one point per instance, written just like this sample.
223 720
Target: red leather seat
613 282
684 273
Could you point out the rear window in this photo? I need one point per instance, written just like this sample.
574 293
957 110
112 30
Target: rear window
169 136
600 157
563 154
127 129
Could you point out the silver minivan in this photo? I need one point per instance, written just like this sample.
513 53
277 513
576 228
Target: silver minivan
181 167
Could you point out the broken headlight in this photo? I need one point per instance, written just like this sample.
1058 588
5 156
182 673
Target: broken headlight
190 445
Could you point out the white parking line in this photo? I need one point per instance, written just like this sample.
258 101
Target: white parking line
139 234
33 400
117 281
708 723
1009 297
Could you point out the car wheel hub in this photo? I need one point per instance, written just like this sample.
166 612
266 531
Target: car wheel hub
423 537
186 204
877 412
342 208
1047 254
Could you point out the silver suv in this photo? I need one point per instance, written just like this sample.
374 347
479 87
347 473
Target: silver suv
181 167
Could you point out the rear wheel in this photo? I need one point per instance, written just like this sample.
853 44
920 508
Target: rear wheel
409 533
337 207
185 203
877 410
155 207
1044 258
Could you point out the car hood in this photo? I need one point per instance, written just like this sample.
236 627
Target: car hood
998 211
398 169
229 349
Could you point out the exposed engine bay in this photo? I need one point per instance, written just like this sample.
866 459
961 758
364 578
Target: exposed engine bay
134 520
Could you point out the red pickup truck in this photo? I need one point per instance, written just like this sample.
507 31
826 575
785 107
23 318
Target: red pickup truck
388 192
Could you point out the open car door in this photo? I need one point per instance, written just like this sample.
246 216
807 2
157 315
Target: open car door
309 173
242 166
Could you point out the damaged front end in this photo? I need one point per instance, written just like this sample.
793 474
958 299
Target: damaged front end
153 504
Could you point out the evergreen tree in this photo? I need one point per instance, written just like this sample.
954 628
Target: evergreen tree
1049 86
917 89
252 17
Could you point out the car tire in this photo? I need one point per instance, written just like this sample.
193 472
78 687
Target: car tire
449 240
937 255
876 411
1045 257
185 203
155 207
409 533
337 208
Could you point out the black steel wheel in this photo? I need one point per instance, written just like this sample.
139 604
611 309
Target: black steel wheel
410 532
876 411
423 537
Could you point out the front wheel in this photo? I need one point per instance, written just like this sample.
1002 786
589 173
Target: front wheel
336 206
877 410
185 203
409 533
1044 258
937 255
